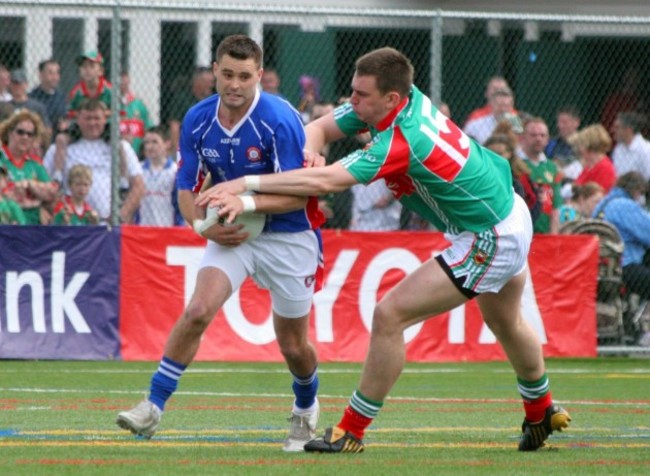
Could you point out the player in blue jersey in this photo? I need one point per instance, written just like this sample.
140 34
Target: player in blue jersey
243 131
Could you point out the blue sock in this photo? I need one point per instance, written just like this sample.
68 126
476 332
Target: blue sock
305 389
165 381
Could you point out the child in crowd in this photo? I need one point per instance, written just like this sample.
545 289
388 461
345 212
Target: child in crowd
159 174
582 202
10 211
73 209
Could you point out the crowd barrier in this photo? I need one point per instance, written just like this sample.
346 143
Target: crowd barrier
94 293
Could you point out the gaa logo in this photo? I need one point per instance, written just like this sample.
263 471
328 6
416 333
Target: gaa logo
480 257
254 154
309 280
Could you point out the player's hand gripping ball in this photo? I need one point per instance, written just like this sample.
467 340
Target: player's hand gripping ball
253 222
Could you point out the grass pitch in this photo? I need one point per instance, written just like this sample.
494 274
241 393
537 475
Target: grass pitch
58 418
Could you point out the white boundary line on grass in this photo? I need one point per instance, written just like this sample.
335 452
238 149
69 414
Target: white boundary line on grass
604 371
604 403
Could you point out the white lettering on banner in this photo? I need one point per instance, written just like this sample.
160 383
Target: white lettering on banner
456 327
388 259
189 257
63 298
258 334
324 300
529 308
15 283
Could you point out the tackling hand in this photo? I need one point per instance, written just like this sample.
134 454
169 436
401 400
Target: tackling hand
312 159
213 195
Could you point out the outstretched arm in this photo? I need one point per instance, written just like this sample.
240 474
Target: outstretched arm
321 132
303 182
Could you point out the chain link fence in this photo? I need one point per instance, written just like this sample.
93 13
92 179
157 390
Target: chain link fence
160 56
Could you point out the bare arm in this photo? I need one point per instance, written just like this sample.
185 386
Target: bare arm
321 132
132 200
303 182
555 222
266 203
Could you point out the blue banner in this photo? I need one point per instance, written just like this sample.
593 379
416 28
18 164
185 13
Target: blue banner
59 292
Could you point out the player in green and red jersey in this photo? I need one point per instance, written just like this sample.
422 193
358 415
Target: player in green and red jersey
465 190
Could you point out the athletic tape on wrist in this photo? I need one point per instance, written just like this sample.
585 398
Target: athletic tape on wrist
249 203
252 182
196 226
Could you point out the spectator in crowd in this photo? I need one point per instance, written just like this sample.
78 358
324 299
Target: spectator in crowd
374 208
5 95
92 83
502 106
270 82
309 96
543 174
202 86
47 92
494 84
29 182
6 110
582 202
21 100
559 150
134 115
10 211
94 151
632 150
622 208
72 208
592 143
625 99
503 142
159 174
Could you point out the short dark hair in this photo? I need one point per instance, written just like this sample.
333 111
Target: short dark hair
632 182
161 130
392 70
43 64
92 104
569 109
240 47
633 120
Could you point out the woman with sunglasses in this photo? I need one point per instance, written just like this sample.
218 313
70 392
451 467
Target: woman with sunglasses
28 181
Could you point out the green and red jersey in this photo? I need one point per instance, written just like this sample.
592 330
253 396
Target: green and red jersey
65 207
26 168
80 92
11 213
431 166
544 174
134 120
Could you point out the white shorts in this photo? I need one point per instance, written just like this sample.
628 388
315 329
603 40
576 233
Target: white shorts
485 262
283 263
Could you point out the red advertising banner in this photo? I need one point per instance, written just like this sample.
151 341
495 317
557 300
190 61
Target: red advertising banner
159 268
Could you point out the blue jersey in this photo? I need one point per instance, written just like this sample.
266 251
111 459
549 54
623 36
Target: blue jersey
270 138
